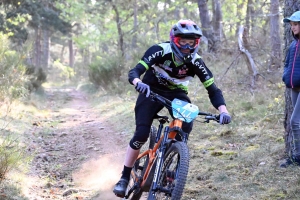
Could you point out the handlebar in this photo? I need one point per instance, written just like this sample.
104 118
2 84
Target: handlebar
167 103
209 116
156 97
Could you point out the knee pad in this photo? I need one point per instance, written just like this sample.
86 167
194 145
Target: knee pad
140 137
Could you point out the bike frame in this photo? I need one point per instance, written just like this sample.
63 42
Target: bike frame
170 132
162 142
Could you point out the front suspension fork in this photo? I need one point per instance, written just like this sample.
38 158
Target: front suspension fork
160 156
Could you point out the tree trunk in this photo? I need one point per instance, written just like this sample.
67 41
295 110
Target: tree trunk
205 23
176 13
288 138
37 48
239 13
120 32
275 60
217 24
46 50
290 6
249 14
71 53
135 24
62 52
85 53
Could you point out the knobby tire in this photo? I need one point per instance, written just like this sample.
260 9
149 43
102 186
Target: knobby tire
136 195
177 151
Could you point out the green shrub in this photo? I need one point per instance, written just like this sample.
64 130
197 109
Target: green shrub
11 155
65 72
104 71
12 70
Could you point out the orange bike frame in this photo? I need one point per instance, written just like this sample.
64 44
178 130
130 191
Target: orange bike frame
152 152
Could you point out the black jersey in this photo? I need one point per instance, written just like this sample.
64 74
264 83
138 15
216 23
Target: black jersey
163 73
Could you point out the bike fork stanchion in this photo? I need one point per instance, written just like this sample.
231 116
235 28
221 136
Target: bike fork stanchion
161 153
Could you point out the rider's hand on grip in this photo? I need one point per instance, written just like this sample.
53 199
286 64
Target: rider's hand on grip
224 118
143 88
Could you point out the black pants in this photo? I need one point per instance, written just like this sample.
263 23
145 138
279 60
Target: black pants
146 109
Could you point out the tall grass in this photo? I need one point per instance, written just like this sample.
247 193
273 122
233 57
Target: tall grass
12 155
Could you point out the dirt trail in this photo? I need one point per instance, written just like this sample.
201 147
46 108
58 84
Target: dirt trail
78 156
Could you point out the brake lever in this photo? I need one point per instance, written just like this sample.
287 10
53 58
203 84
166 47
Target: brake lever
208 118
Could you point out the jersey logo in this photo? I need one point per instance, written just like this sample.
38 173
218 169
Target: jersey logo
158 53
146 60
201 67
138 144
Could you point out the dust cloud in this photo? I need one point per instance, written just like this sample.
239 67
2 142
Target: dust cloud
100 175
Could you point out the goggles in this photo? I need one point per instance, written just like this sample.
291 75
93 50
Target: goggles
187 45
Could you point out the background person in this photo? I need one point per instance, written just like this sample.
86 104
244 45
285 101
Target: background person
291 78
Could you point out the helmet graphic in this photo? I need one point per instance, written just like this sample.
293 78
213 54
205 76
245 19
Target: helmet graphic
186 29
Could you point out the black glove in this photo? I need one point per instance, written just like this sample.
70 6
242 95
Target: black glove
143 88
224 118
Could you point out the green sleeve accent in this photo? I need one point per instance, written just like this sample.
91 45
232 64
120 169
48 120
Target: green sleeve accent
208 82
144 64
180 86
184 88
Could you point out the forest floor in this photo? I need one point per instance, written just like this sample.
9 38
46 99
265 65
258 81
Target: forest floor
76 153
77 143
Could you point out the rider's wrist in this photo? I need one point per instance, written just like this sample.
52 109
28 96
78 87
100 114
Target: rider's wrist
222 109
135 81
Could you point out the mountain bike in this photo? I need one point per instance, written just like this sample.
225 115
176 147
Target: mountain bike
162 166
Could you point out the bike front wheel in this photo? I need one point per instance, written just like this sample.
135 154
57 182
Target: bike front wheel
172 179
139 168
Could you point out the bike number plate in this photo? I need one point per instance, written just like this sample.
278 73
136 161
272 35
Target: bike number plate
184 111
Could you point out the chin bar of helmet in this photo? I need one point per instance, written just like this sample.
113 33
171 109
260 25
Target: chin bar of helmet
184 58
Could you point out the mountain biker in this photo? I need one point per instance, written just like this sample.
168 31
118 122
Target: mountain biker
167 69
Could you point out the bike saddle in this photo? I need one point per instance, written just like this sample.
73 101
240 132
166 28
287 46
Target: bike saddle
157 116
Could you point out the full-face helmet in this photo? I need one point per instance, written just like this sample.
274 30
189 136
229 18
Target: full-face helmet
186 29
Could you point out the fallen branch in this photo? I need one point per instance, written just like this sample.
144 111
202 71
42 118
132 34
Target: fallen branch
250 62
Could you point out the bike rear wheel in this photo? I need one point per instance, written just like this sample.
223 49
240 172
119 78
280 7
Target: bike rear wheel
173 175
140 166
